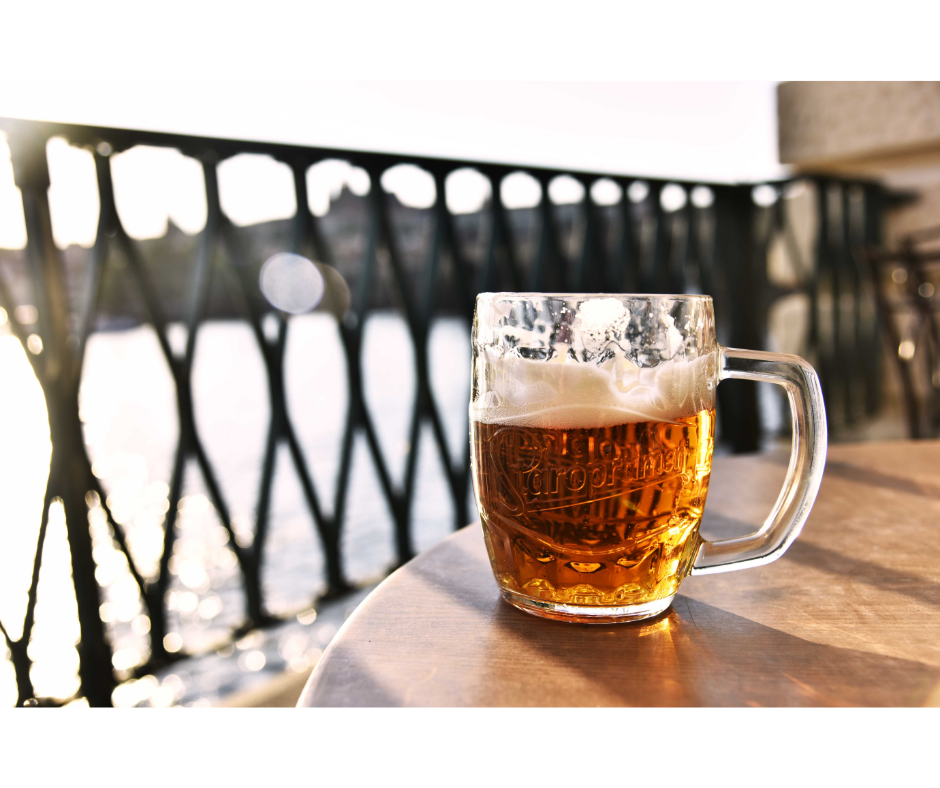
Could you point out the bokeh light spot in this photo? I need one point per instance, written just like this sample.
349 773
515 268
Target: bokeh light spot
702 197
606 192
637 191
26 314
253 660
672 197
412 186
764 195
520 190
141 625
565 190
467 191
292 283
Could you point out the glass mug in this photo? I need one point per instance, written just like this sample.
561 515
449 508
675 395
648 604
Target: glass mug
592 428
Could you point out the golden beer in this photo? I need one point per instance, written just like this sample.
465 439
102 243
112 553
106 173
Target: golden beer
601 516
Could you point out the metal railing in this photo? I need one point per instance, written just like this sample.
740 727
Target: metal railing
719 246
906 281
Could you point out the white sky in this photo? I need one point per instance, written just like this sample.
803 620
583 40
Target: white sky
703 130
724 131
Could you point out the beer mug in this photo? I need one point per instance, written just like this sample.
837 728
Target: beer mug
592 427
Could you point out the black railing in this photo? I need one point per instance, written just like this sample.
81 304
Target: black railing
719 245
906 287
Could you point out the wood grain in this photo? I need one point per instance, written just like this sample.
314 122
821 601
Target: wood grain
850 616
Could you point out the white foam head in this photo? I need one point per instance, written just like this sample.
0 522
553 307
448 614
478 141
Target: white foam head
563 393
602 361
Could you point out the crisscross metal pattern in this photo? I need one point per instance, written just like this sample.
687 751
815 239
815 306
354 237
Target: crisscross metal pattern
906 282
719 249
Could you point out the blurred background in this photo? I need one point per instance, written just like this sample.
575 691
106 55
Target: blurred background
234 335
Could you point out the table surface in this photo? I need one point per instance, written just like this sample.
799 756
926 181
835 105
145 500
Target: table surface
850 616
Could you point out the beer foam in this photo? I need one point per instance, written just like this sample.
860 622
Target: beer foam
563 393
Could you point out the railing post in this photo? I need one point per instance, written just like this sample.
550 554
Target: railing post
872 235
60 387
744 287
826 281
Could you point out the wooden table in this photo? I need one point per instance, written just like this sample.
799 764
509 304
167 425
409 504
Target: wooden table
849 616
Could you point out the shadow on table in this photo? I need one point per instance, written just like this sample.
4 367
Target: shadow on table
470 648
880 577
695 654
720 526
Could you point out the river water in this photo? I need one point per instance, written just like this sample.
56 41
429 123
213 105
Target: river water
131 428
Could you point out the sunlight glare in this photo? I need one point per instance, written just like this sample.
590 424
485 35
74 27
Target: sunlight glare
520 190
155 185
764 195
73 194
467 191
55 660
638 191
673 197
702 197
326 181
412 186
606 192
26 314
565 190
12 220
8 691
254 188
24 428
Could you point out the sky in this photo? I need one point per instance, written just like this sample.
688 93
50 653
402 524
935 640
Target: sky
719 131
715 130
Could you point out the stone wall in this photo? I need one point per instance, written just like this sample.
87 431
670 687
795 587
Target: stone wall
884 130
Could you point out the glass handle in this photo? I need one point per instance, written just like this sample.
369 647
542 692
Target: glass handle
807 460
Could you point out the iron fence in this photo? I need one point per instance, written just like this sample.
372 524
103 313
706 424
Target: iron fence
906 280
720 244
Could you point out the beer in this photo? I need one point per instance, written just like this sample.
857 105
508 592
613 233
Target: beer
602 516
